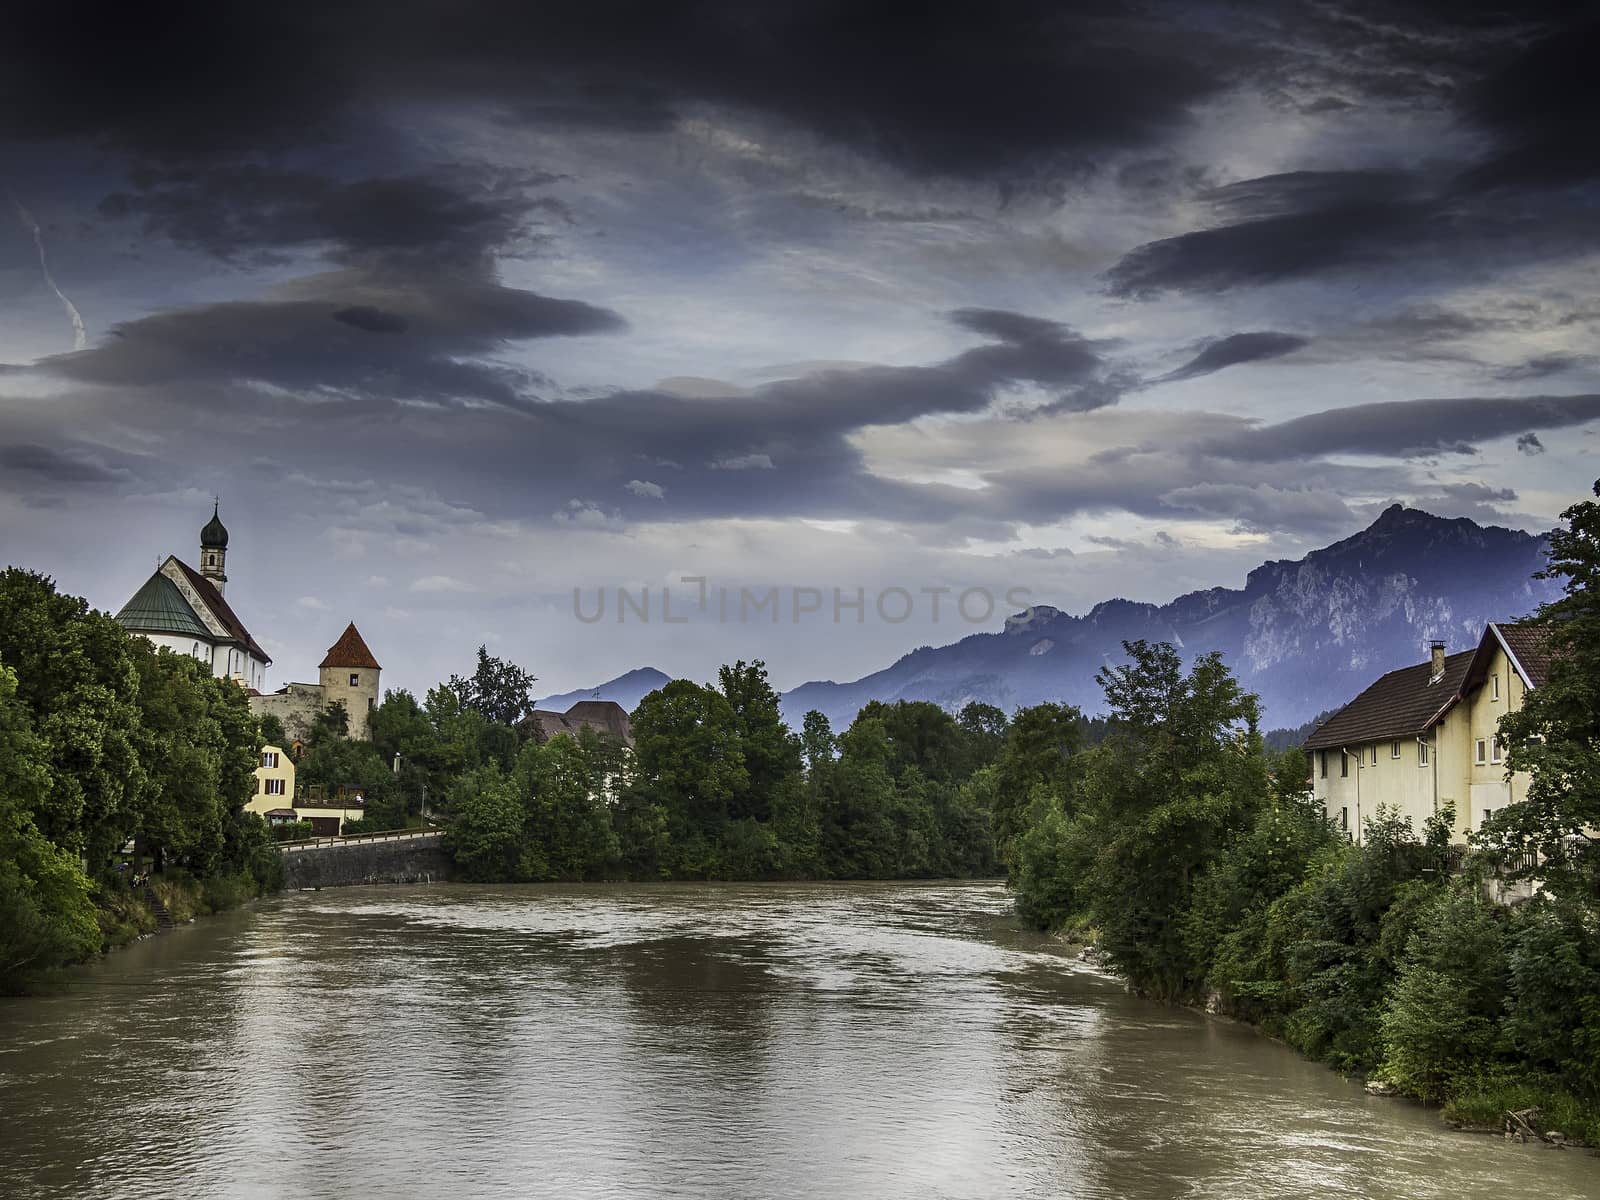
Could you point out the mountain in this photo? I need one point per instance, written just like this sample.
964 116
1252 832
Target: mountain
627 690
1306 635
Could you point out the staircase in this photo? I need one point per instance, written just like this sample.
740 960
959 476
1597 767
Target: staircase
163 917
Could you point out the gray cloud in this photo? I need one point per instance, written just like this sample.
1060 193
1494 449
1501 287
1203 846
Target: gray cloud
1398 428
1234 350
1529 443
46 464
431 333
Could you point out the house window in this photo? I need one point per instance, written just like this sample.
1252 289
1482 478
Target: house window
1394 749
355 681
1322 762
1494 687
1478 755
1344 818
1344 764
1488 815
269 758
1374 755
1494 749
274 787
1422 754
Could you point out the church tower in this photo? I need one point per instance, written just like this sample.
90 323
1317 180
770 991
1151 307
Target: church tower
214 551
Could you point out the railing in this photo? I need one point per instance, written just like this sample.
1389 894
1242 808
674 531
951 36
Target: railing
355 839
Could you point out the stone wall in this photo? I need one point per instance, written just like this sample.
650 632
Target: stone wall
404 860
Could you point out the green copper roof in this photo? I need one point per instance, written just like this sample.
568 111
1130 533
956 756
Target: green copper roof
159 607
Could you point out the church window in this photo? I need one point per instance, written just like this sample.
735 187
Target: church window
355 681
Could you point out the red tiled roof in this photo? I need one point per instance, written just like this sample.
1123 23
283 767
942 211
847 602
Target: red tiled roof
1529 645
350 651
214 601
1401 704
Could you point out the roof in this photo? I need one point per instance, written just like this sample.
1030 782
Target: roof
214 536
1528 646
214 601
603 716
281 812
1400 704
350 651
159 607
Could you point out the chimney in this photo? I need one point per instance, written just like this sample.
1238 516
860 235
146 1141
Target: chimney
1438 662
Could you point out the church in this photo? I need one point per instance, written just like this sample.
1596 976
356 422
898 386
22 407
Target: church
184 609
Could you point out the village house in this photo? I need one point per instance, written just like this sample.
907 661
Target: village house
1425 738
279 802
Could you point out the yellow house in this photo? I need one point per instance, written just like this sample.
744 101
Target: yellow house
1425 737
277 800
274 782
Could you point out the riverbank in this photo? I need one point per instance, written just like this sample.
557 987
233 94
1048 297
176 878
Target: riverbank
1509 1103
125 914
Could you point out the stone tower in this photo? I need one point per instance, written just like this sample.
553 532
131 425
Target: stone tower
214 551
350 673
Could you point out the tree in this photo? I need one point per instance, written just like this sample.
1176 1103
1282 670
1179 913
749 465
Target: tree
817 743
45 913
499 689
330 722
1180 775
569 824
272 732
1442 1015
771 753
984 728
485 837
76 677
1555 736
690 764
1039 744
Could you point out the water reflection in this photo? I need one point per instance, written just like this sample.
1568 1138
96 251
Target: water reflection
861 1040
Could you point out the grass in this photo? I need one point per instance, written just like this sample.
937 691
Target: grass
1483 1102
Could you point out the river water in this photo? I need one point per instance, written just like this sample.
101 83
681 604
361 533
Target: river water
698 1040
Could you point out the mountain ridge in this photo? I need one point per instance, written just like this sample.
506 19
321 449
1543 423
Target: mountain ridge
1306 634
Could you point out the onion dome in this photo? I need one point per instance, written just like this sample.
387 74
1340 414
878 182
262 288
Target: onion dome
215 535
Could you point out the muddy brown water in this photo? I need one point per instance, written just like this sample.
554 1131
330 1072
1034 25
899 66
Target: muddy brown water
812 1040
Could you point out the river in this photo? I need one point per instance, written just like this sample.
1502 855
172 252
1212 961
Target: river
700 1040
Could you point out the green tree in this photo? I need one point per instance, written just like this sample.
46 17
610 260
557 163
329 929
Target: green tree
1442 1015
499 689
76 677
485 837
771 753
1179 776
1039 745
818 745
46 916
569 823
689 763
1555 736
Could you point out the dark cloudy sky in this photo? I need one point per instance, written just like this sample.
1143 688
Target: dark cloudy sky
461 306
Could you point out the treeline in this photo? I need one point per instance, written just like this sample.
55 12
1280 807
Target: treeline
718 787
1201 866
105 741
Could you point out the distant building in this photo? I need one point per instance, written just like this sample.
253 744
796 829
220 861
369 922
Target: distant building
348 673
603 716
183 609
1426 737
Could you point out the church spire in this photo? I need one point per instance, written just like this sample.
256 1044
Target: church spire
214 548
